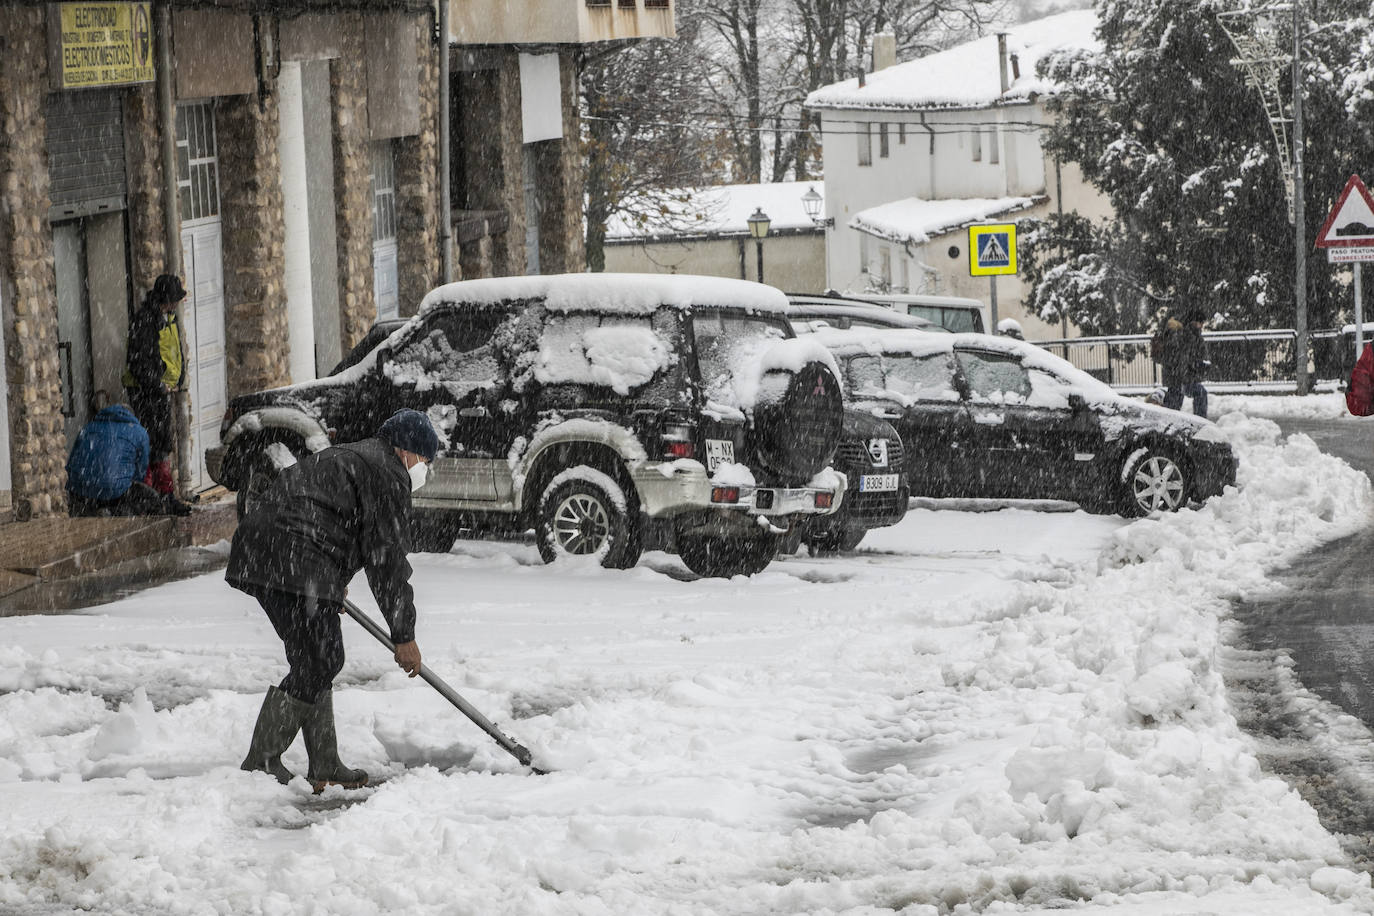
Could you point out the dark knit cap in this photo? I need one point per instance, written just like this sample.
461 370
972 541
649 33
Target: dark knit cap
167 288
412 431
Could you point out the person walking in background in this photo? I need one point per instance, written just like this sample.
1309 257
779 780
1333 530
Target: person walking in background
154 371
1185 362
322 520
106 467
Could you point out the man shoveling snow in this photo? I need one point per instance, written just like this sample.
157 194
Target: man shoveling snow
325 518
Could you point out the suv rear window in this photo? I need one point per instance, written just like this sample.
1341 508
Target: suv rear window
727 345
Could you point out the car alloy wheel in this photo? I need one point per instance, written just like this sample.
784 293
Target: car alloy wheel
1157 484
584 512
580 524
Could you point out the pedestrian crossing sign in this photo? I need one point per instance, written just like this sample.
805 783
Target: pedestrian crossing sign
992 250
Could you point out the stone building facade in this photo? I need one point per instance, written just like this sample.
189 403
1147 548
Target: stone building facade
305 203
82 241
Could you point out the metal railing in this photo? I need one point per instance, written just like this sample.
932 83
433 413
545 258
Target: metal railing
1241 360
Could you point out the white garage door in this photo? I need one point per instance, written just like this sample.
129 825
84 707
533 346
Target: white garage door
198 168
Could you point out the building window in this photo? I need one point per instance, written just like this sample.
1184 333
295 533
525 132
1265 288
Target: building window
598 2
625 4
901 134
993 152
657 4
882 140
977 145
865 134
383 191
197 166
385 267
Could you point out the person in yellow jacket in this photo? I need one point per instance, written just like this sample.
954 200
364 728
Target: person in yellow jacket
155 370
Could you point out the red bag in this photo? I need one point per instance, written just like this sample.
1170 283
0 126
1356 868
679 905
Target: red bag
1359 397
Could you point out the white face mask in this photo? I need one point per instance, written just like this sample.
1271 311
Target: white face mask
419 472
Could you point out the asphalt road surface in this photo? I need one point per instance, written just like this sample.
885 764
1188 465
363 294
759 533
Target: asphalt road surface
1319 632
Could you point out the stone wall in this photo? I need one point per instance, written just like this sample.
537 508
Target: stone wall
417 186
27 282
353 183
254 237
143 155
560 165
486 114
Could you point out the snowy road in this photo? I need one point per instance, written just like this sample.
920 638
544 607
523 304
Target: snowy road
996 711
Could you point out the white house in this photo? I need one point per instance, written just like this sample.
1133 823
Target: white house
706 231
917 152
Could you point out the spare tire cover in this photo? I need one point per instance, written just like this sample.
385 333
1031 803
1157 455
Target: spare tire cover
796 421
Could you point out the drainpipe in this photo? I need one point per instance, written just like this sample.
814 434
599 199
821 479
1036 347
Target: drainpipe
445 203
931 131
1002 60
171 231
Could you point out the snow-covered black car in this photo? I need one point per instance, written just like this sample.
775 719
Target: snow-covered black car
989 416
873 461
604 411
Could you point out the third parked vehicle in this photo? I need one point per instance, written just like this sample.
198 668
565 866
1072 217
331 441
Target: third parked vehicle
989 416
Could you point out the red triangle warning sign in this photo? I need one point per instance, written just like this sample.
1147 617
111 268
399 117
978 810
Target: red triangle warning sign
1351 222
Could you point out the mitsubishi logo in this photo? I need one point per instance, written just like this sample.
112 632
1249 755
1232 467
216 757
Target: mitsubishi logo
877 450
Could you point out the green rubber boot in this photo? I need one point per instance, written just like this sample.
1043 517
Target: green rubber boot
322 745
279 719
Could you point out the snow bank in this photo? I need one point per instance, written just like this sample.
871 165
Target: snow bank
1005 711
1328 405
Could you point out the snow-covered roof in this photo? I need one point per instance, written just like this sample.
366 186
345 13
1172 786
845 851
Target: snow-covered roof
720 210
629 293
912 219
968 75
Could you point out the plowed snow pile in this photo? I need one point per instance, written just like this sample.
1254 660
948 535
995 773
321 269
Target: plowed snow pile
977 712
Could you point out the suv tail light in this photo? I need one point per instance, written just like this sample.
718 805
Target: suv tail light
824 500
725 494
679 440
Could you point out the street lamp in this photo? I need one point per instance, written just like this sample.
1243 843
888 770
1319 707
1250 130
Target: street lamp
811 203
758 228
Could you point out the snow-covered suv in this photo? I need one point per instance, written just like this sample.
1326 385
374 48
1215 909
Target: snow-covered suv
605 411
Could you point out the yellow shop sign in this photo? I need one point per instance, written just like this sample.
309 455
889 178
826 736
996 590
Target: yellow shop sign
105 44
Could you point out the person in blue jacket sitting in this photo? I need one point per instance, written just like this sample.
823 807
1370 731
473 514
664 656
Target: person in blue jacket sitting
106 468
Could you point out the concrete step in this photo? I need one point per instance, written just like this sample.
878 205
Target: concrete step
58 548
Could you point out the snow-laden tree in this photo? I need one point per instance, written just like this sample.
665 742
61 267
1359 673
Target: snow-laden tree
1166 126
642 134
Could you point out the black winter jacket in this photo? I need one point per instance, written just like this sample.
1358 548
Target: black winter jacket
326 517
144 350
1185 356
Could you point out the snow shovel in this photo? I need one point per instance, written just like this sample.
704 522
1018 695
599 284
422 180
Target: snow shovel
518 751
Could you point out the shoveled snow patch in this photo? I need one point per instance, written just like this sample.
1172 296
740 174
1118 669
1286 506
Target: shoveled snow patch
1004 711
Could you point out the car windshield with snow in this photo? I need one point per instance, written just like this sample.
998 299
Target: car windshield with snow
993 417
609 413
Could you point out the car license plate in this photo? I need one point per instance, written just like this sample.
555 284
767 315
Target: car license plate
877 483
717 451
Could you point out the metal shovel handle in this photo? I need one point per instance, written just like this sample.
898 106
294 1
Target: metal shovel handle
516 750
